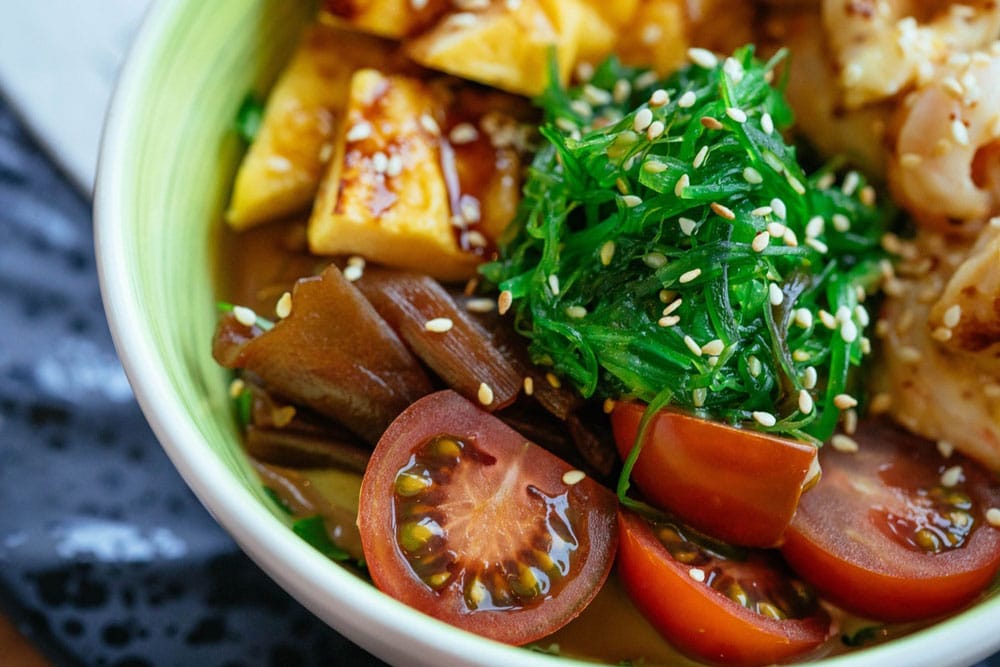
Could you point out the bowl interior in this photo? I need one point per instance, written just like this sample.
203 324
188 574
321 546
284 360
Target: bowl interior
167 164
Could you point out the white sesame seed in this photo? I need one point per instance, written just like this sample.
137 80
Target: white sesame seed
752 176
380 162
810 377
687 225
597 96
843 314
760 241
945 448
761 211
584 71
284 306
463 133
687 100
554 284
828 320
713 347
942 334
805 402
774 294
817 245
581 108
993 516
631 201
394 167
236 387
815 226
849 331
428 123
643 119
845 444
767 123
841 222
668 320
504 301
865 345
764 418
659 98
279 163
845 401
908 354
952 316
722 211
672 306
529 385
359 132
697 574
778 207
699 158
654 260
702 57
754 366
699 395
485 394
576 312
795 183
803 318
607 252
353 272
737 115
733 69
245 316
790 239
462 20
851 182
960 132
688 276
693 346
572 477
418 4
621 91
682 183
654 166
646 79
861 315
480 305
801 355
439 325
951 476
655 130
776 229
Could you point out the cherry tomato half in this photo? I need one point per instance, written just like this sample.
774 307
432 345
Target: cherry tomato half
882 536
466 521
743 612
738 485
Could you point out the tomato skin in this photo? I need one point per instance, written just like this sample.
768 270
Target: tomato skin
697 619
836 543
738 485
590 506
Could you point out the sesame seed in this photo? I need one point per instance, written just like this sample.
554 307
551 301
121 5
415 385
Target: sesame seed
761 211
554 284
843 314
359 132
951 476
867 195
485 394
760 241
621 90
621 185
942 334
418 4
754 366
845 401
910 160
284 306
476 239
668 321
463 133
394 167
688 276
828 320
631 201
699 158
818 246
845 444
439 325
722 211
815 226
597 96
681 183
236 387
841 222
908 354
553 380
480 305
803 318
945 448
776 229
687 100
851 182
687 225
643 119
702 57
659 98
697 574
572 477
774 294
380 162
584 71
861 315
646 79
462 20
849 331
581 108
654 166
767 123
790 239
865 345
713 347
607 252
673 305
504 301
576 312
699 395
710 123
655 130
810 377
245 316
752 176
353 272
737 115
960 132
806 404
993 516
795 183
429 124
733 69
801 355
778 207
764 418
693 346
654 260
529 385
952 316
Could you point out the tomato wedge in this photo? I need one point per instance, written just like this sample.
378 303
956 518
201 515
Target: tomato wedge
745 612
466 521
738 485
882 536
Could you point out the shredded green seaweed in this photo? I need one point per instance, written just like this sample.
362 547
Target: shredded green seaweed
669 244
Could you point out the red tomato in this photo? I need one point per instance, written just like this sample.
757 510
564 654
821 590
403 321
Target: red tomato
464 520
738 485
712 608
881 536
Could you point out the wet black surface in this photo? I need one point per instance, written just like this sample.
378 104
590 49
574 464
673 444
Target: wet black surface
106 558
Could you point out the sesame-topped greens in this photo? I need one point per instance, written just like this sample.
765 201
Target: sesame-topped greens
670 248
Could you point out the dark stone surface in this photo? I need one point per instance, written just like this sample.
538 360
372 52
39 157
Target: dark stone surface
106 558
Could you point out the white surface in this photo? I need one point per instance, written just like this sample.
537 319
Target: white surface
58 63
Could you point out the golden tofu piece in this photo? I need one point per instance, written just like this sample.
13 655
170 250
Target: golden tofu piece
600 25
385 196
389 18
656 36
281 171
504 45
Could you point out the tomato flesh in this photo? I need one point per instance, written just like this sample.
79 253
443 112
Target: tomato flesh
738 485
466 521
743 612
881 535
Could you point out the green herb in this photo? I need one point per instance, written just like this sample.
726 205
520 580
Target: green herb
249 117
278 500
244 407
313 530
640 261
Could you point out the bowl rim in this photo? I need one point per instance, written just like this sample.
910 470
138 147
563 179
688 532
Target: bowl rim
315 580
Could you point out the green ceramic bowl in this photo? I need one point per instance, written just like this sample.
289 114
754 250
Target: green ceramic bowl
167 163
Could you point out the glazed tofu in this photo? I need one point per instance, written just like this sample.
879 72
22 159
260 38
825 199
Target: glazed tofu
282 169
395 19
413 184
600 25
505 44
656 36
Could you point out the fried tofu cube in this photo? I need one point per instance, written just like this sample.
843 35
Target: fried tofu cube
282 169
385 196
505 45
388 18
656 36
600 25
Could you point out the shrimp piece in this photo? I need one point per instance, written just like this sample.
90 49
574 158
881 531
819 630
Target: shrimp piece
882 47
945 166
